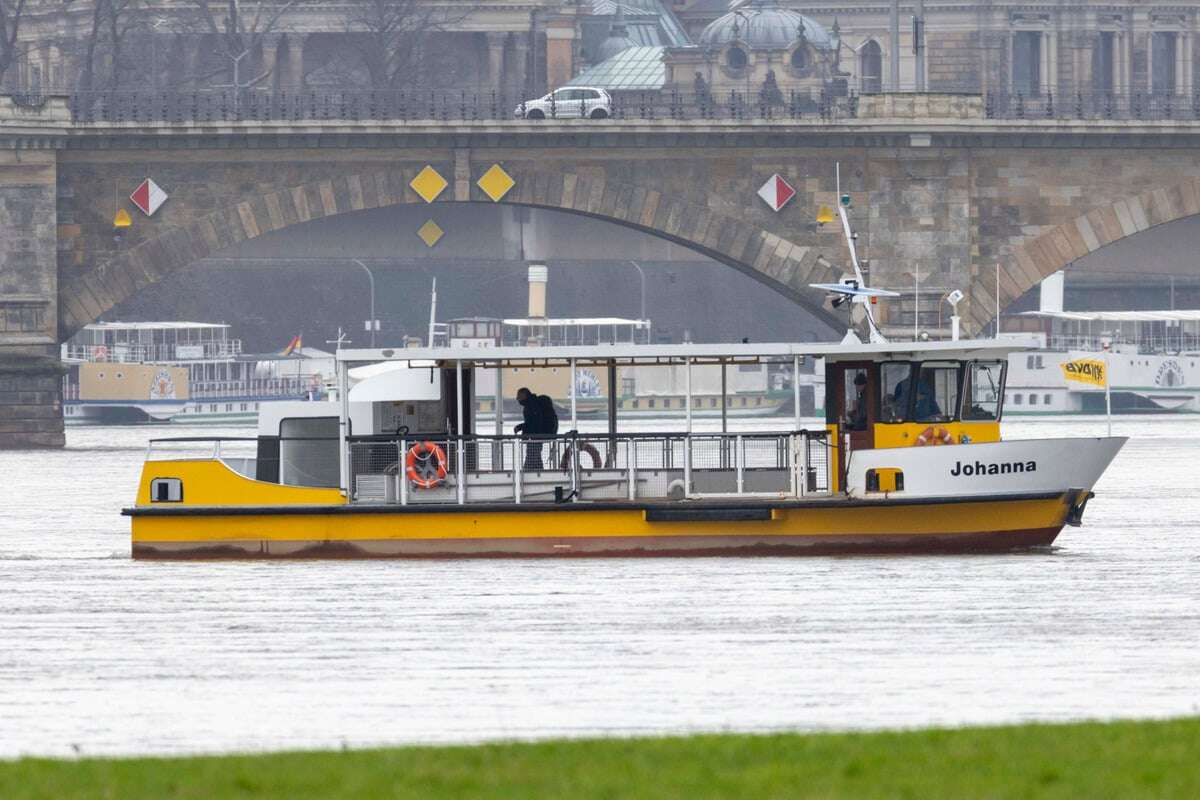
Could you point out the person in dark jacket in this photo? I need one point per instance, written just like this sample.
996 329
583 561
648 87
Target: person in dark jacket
535 425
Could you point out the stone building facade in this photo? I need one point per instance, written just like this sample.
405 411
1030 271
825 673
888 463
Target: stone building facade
1075 47
517 46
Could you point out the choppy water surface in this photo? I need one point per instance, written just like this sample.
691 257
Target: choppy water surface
122 657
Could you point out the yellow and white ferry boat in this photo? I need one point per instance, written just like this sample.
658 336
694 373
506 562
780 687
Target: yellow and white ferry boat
910 458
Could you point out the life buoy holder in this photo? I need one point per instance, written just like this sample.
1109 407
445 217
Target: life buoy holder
425 465
584 447
934 435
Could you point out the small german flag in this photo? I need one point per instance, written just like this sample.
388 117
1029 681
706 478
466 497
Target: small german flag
294 345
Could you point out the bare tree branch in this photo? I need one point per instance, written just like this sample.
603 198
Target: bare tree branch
394 33
12 13
236 38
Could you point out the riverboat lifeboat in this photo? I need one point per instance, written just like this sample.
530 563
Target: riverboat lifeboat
909 458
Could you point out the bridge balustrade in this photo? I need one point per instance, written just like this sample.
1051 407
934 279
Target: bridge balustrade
151 107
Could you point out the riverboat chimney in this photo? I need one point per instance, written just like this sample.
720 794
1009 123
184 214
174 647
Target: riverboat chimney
538 276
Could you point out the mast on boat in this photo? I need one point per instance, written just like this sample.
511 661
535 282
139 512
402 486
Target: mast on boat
854 290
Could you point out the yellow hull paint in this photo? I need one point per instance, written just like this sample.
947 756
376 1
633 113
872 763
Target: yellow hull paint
555 523
224 513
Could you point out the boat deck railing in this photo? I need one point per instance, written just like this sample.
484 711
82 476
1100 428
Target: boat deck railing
592 467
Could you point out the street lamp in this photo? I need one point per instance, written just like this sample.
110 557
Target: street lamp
372 323
641 275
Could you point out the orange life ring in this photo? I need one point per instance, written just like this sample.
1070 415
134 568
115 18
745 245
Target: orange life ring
584 447
425 465
932 435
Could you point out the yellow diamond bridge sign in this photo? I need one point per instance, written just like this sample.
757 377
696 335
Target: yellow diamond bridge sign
496 183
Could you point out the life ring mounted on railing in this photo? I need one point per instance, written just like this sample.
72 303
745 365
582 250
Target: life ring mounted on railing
584 447
934 435
425 466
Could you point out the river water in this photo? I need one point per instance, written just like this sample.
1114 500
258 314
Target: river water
106 655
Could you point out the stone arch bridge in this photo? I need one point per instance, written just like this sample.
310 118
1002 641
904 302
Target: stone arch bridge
950 195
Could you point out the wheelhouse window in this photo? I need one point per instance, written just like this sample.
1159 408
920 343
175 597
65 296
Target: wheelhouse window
984 390
894 398
936 395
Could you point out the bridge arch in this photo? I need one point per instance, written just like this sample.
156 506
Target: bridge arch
695 220
1054 249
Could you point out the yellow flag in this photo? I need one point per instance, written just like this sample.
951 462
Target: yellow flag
1085 370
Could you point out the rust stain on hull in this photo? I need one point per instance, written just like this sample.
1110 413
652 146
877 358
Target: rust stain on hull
607 547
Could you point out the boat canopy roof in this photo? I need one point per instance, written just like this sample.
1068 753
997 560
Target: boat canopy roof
568 322
634 355
153 326
1182 315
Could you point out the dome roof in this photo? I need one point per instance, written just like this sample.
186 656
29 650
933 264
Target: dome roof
611 46
765 24
618 38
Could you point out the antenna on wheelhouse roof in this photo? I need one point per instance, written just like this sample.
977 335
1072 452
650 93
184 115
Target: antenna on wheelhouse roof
853 290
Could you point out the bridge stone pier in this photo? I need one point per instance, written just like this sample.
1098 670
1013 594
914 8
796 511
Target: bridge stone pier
936 188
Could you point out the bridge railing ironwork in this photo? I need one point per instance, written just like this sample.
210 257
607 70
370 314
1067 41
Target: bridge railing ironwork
149 107
468 105
1092 106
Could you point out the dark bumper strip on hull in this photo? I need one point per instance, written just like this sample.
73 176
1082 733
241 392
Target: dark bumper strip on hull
491 508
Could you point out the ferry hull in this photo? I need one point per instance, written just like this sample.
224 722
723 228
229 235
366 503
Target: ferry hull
944 525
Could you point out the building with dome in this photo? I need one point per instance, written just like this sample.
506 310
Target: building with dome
762 51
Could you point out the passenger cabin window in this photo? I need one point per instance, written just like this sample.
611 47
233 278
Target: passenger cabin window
166 490
894 408
984 388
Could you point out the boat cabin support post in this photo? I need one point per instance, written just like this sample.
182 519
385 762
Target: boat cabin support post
724 395
574 410
343 379
459 466
796 391
498 402
687 440
612 413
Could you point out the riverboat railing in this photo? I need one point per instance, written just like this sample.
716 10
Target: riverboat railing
588 467
137 353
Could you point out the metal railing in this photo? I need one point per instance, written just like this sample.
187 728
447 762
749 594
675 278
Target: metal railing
290 386
1166 344
446 106
588 467
1092 106
137 353
670 103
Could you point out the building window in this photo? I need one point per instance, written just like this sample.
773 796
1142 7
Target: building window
871 67
1162 59
1033 399
735 58
1104 79
1046 400
799 58
1027 63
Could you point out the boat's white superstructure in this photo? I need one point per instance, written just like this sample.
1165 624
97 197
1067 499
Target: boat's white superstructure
1153 362
131 372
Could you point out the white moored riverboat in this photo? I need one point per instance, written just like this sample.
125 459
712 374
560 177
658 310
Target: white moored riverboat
1153 360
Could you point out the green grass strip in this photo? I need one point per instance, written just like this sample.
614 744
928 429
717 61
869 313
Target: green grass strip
1086 760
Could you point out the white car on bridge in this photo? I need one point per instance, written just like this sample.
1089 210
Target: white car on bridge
571 101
